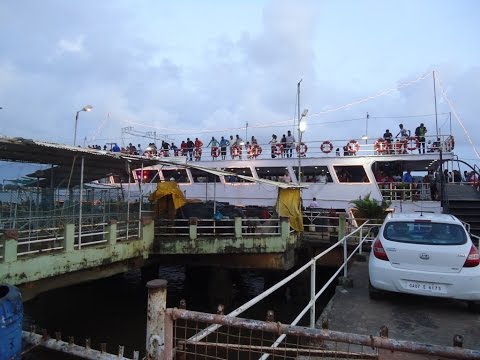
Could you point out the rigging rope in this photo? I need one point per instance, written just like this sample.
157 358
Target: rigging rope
454 112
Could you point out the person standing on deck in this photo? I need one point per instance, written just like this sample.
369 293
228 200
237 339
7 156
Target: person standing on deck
290 141
407 177
283 142
420 132
190 146
223 147
404 133
198 148
239 144
214 143
273 147
388 136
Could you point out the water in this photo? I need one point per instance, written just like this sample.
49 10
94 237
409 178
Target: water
113 310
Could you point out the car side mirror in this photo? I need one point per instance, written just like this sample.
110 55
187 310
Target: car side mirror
374 230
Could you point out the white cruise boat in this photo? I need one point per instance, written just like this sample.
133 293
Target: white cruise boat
334 178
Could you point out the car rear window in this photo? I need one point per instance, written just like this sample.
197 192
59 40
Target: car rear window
427 233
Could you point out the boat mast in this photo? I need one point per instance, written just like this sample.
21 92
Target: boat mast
299 134
441 142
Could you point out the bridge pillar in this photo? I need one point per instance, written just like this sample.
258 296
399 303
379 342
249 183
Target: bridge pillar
69 237
157 304
193 228
284 227
10 238
112 232
238 227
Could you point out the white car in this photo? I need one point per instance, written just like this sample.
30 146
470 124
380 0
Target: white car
425 254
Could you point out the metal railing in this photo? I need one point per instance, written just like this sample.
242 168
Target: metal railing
359 233
225 227
50 239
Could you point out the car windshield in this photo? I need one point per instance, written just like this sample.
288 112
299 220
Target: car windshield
427 233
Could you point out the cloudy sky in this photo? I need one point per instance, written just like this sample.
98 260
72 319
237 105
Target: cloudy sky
191 68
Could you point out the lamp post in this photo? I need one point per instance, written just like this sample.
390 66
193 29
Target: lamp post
86 108
302 126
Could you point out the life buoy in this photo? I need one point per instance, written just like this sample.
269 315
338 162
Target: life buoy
215 152
353 146
256 150
197 153
326 147
148 154
380 146
279 150
400 147
450 143
235 151
301 149
412 143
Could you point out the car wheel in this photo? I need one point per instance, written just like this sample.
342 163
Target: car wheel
373 293
474 306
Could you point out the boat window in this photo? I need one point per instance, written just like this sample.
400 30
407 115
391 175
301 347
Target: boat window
351 174
177 175
149 175
271 173
200 176
314 173
240 171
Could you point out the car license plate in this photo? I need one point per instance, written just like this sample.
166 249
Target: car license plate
424 286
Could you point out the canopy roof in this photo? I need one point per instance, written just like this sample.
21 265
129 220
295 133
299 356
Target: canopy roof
65 163
66 159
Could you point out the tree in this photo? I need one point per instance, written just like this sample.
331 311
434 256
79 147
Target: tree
368 208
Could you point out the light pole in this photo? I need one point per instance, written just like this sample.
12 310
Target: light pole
86 108
302 126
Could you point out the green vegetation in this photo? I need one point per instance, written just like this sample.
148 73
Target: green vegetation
368 208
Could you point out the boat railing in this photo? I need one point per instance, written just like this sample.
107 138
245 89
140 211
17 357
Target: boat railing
329 148
392 191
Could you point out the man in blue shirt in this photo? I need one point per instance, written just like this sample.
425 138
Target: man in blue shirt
407 177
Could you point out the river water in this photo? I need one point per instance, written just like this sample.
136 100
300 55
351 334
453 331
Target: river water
113 310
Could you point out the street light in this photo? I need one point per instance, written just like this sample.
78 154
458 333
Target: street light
302 126
86 108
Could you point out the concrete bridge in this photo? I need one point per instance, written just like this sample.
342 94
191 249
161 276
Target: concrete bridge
47 258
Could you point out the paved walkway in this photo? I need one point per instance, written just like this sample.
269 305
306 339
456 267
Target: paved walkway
408 317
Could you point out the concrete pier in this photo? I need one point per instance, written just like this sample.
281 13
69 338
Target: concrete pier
407 317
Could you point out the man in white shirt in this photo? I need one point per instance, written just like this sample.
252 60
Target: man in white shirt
290 143
314 203
322 177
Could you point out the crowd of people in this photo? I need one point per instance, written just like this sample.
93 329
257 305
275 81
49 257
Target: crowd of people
235 147
218 148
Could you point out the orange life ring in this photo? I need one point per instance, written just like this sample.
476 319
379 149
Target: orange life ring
412 143
301 149
197 153
326 147
215 152
380 146
256 150
235 151
279 150
450 143
353 146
